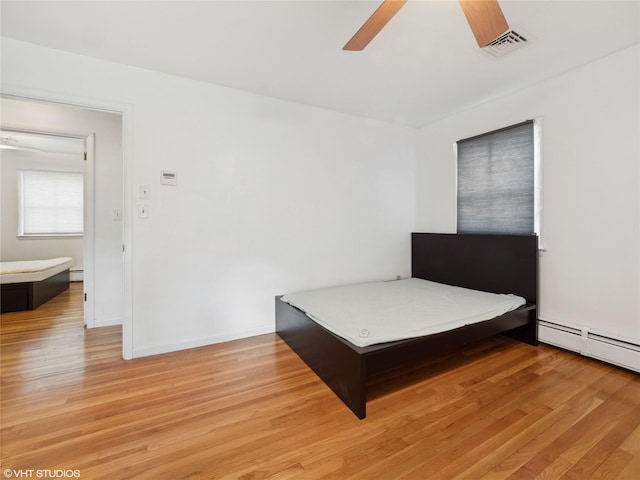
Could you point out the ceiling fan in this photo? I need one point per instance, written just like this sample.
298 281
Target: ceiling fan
485 18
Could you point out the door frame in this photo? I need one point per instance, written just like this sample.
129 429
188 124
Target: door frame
88 203
126 112
88 250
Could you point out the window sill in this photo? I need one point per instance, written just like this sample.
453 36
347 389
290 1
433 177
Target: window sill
50 236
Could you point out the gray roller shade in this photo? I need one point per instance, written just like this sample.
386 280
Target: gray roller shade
496 182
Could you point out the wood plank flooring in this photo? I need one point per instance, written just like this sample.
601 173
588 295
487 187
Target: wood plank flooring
251 409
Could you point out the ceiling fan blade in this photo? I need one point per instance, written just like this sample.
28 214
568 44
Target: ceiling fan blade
374 24
486 20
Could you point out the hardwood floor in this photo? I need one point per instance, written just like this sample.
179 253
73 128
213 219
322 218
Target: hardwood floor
251 409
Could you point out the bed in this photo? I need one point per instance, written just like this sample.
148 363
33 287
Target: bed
490 263
25 285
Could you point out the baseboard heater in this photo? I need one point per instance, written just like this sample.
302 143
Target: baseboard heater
621 352
76 275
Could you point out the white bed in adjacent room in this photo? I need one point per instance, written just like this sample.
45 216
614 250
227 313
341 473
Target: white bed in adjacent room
28 284
32 270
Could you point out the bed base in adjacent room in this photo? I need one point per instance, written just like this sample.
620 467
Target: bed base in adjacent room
16 297
493 263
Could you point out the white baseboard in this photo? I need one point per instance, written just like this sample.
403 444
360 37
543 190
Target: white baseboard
622 352
109 322
201 342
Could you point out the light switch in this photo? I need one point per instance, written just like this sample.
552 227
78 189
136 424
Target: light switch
145 192
117 214
143 211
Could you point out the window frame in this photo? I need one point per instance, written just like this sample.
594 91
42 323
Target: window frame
537 173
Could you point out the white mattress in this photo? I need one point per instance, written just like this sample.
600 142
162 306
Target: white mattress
33 270
370 313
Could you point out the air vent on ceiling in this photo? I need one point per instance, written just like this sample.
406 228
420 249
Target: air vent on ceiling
505 43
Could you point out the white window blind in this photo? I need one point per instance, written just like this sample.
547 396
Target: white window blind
50 203
496 182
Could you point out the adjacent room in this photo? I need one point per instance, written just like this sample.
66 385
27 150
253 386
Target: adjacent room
72 159
42 227
247 153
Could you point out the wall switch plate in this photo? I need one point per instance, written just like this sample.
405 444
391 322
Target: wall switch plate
117 214
143 211
145 192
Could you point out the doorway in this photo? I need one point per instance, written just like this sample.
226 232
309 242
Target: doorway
100 133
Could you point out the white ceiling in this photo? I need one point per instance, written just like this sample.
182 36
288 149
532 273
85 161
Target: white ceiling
423 66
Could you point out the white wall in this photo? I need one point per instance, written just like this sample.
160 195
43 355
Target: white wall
107 127
590 273
14 248
272 196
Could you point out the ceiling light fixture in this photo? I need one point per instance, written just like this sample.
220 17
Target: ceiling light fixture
4 146
6 143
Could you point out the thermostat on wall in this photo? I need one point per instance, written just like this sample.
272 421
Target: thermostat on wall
168 178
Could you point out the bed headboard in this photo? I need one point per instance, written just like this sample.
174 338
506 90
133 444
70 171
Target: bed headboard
492 263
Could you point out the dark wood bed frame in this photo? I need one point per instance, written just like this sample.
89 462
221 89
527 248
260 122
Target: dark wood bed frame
492 263
15 297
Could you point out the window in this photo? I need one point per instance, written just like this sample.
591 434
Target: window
497 177
50 203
